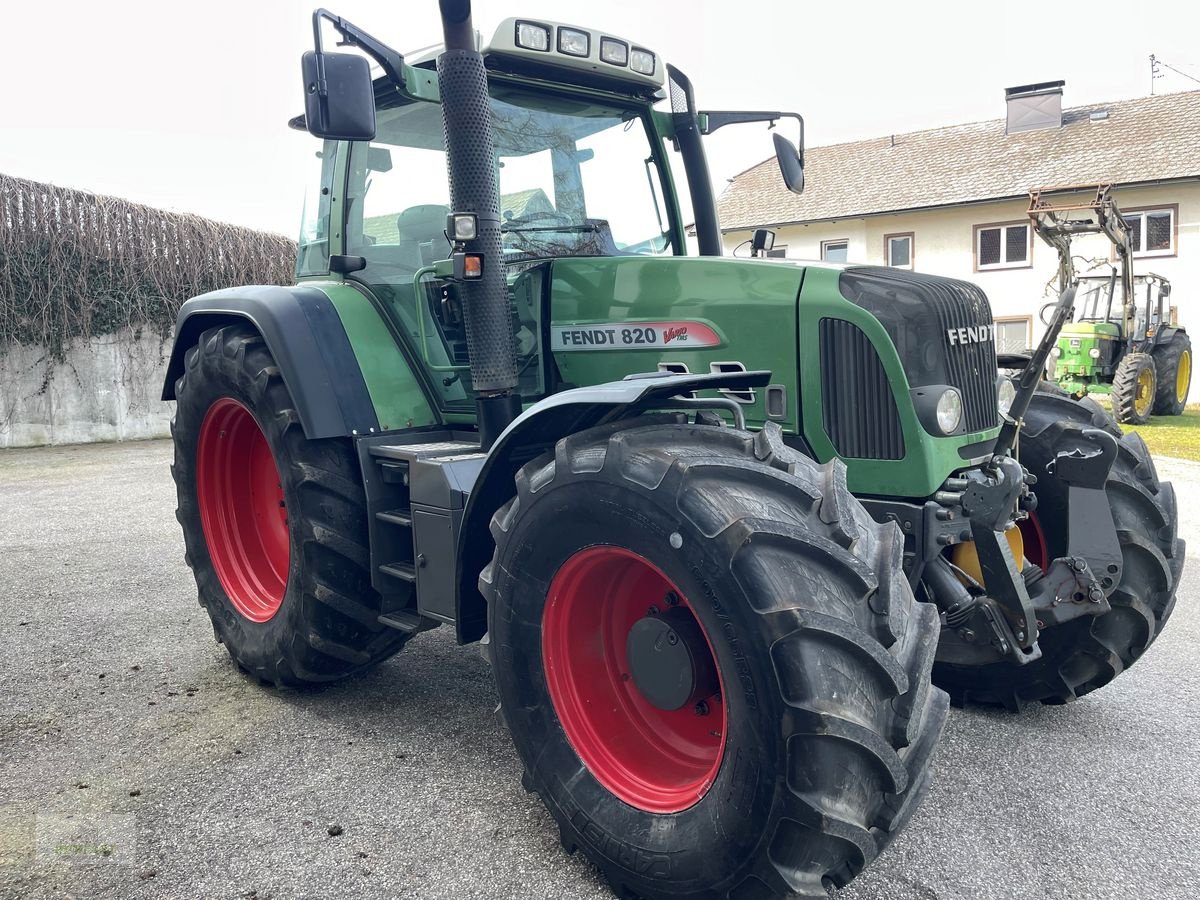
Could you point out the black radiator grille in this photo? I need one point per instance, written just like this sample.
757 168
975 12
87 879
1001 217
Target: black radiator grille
858 408
972 366
919 312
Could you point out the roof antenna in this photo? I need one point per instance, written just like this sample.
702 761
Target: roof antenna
1155 62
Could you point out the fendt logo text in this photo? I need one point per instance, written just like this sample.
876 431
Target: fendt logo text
972 334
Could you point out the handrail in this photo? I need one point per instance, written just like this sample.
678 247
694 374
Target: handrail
421 311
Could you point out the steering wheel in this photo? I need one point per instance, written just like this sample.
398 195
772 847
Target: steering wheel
1044 312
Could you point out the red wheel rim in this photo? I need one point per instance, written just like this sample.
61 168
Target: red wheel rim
1034 538
657 760
242 510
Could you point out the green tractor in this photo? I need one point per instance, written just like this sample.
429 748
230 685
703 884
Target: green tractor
1123 341
732 533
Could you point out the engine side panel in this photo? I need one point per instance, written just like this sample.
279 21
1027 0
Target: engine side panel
614 316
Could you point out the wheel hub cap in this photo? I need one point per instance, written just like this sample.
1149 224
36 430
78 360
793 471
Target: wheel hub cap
1145 392
670 661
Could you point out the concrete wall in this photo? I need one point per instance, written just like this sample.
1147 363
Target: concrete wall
107 389
943 244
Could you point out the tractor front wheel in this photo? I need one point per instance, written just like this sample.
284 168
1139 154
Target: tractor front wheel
711 663
274 525
1085 653
1134 387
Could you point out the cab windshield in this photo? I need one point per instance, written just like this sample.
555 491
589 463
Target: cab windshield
1095 294
576 178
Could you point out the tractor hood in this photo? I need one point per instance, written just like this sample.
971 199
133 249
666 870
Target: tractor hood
870 350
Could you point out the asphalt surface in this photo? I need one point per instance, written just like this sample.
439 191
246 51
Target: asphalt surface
135 761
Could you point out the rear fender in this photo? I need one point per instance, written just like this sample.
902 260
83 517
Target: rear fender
534 432
305 336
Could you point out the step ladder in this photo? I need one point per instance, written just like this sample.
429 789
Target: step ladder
396 559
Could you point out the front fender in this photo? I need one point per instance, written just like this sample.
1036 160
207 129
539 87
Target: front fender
305 336
534 432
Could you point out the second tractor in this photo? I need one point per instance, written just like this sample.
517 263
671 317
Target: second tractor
1124 341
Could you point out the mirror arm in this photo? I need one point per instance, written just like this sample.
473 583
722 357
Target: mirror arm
720 118
389 60
717 120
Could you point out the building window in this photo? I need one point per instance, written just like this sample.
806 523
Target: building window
834 251
779 251
1013 335
898 250
1153 231
1004 245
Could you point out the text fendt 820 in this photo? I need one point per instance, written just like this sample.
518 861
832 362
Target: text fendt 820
734 532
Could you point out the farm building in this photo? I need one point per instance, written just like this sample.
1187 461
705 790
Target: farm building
952 201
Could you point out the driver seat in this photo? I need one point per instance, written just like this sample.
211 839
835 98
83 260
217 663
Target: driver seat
419 229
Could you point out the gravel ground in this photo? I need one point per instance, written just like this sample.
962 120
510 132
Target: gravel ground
135 761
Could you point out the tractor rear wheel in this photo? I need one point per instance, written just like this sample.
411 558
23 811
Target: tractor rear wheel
1134 387
275 525
1088 652
1173 366
711 663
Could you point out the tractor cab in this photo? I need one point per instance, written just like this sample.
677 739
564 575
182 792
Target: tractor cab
1091 346
588 162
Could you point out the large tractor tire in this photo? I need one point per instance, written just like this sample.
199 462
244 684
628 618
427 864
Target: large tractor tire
712 666
1173 366
1134 387
275 525
1088 652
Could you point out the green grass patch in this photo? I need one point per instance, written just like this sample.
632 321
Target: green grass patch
1172 435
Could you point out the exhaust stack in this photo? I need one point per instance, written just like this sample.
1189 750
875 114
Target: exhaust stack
470 160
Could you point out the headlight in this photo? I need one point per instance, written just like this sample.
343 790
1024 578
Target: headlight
1094 353
1006 393
463 226
533 36
1056 352
949 411
573 42
614 51
641 61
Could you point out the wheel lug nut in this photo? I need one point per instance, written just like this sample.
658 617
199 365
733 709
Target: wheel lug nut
672 599
702 708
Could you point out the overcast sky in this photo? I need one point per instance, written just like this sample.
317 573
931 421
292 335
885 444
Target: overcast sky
184 105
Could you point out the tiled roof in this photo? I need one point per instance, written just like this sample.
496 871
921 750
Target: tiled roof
1140 140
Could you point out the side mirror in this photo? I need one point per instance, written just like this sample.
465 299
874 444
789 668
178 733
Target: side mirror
791 159
762 241
339 99
379 159
791 163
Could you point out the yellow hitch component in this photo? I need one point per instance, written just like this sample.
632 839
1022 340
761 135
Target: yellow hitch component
966 557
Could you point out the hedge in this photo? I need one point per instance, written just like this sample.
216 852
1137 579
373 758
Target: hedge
75 264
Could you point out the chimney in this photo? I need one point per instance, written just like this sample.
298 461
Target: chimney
1032 107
